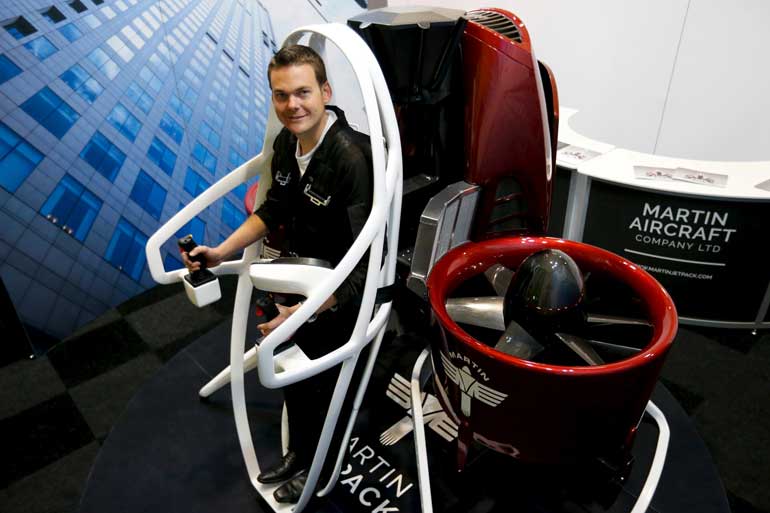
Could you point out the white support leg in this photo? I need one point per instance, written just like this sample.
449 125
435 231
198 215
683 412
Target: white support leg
656 469
223 378
420 448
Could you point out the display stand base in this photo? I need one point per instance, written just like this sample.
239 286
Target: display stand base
171 452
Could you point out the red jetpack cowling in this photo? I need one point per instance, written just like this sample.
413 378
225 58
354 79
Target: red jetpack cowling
541 412
511 125
473 105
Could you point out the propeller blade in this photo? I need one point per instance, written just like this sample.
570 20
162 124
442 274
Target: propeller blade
485 312
612 319
516 341
499 277
621 350
582 348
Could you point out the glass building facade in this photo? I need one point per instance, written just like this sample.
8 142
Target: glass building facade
113 115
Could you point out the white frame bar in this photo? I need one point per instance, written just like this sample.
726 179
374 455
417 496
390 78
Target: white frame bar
370 325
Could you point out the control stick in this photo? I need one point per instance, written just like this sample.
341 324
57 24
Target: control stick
202 275
202 285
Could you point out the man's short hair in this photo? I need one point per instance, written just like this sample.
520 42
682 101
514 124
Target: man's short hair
295 55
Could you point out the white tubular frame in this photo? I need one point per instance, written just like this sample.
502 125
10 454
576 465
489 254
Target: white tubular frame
421 449
317 286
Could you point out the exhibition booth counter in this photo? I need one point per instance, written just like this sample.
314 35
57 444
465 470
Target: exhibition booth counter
697 226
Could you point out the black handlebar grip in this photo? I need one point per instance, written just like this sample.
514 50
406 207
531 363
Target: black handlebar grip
187 244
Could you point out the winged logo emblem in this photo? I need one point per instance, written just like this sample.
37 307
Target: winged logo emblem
470 387
433 415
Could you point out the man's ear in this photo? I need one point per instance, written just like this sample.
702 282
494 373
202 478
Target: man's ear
326 92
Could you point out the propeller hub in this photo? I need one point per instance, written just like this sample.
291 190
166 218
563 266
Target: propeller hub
548 287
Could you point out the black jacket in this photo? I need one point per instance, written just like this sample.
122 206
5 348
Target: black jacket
324 210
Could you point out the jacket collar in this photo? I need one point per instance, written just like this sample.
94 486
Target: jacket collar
340 124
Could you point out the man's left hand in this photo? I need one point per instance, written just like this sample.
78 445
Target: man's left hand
283 313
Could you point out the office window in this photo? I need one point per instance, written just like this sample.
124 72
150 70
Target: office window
53 15
150 19
195 227
140 97
102 61
218 88
164 50
41 47
78 6
171 127
171 263
153 82
92 21
107 12
176 47
193 78
209 134
232 216
125 122
180 108
82 83
148 194
240 142
17 158
216 101
132 36
126 249
235 158
186 93
160 67
195 183
143 28
240 191
196 66
70 32
204 157
162 156
239 123
72 207
120 48
51 111
215 117
103 156
97 2
20 28
8 69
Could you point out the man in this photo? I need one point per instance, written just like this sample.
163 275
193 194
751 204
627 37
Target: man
321 194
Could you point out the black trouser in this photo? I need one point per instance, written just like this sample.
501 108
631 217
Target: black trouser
307 401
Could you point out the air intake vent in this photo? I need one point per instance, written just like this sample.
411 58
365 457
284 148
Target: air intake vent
496 22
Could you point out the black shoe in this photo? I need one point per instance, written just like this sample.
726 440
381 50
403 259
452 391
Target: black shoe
291 490
281 471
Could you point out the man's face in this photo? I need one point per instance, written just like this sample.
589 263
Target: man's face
299 100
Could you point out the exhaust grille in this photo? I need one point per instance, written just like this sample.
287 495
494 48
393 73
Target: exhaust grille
496 22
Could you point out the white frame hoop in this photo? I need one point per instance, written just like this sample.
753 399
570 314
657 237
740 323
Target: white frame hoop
316 286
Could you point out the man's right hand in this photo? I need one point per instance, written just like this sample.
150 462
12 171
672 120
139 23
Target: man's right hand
212 256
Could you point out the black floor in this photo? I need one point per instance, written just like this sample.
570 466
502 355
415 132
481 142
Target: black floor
56 411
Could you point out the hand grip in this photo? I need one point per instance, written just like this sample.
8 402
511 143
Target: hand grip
201 276
187 244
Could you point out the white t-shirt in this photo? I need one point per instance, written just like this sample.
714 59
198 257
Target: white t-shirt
304 160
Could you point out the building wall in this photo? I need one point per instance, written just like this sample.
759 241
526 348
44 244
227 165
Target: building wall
217 48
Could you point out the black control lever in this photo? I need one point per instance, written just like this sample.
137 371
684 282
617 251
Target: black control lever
201 276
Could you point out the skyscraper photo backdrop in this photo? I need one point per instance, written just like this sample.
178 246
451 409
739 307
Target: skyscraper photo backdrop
113 115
